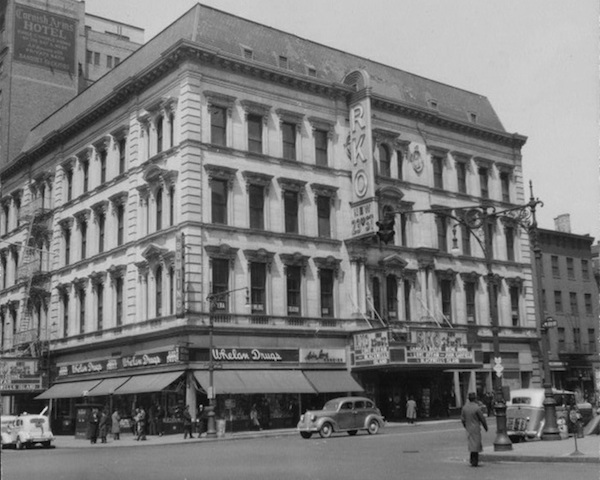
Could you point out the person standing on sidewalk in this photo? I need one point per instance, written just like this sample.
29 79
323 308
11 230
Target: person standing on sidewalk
472 419
93 421
160 416
115 425
411 410
187 423
103 425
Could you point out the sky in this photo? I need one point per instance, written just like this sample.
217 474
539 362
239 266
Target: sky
537 61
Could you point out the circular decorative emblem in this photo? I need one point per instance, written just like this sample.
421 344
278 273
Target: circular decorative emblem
360 183
417 161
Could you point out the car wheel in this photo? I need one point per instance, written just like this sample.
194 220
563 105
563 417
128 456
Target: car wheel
352 432
306 434
46 444
373 427
19 444
326 430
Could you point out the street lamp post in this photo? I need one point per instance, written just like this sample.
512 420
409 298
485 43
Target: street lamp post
474 218
212 299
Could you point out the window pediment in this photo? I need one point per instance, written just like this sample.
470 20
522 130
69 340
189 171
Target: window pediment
291 184
219 99
294 260
260 256
322 190
222 251
119 198
219 172
329 262
254 178
251 107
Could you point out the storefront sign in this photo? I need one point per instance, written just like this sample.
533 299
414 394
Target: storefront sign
323 355
122 363
371 348
44 39
19 375
253 355
439 347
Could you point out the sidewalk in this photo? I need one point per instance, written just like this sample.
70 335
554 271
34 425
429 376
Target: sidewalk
588 448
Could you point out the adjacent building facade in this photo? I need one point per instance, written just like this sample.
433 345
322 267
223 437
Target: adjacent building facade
207 210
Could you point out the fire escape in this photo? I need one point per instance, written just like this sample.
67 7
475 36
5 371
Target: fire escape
33 273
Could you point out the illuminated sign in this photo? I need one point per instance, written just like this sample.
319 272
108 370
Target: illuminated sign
432 346
371 348
45 39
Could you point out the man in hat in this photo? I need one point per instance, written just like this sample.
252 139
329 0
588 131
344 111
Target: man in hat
472 419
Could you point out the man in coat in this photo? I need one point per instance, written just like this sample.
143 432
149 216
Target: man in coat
472 419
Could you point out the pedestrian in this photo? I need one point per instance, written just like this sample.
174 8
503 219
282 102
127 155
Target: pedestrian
103 425
141 424
411 409
160 416
115 425
152 420
187 422
93 422
472 419
254 418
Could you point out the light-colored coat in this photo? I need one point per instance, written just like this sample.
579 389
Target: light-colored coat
411 409
472 419
115 427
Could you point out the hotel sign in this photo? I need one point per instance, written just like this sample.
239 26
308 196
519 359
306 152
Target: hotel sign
371 348
18 375
45 39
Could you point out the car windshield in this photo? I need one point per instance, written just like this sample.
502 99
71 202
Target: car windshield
331 405
521 401
37 421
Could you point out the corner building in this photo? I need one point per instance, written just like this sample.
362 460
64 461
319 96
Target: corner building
231 159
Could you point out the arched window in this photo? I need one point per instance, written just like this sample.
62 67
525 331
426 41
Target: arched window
384 160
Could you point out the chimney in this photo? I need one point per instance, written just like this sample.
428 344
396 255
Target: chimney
562 223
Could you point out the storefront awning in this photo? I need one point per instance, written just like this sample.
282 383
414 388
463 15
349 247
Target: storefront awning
148 383
332 381
108 386
255 381
68 390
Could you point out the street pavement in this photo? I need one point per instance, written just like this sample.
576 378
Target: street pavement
587 449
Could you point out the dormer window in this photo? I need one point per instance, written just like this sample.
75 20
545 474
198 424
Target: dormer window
283 62
312 72
472 117
248 53
432 104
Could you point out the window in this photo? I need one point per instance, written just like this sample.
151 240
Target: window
69 180
483 182
101 232
159 208
470 291
85 166
283 61
290 199
171 128
83 231
117 61
407 287
491 231
17 202
102 155
258 281
67 237
376 294
570 268
438 171
324 216
89 56
403 230
100 306
81 296
159 133
573 303
255 128
294 282
218 125
312 72
392 296
585 269
159 292
446 291
109 61
577 338
219 201
384 161
555 267
120 224
461 176
561 339
122 154
171 206
220 282
509 233
441 225
326 281
588 303
65 313
119 295
514 305
6 212
248 53
321 143
96 58
558 306
288 137
400 164
591 340
505 186
171 289
4 264
257 206
465 237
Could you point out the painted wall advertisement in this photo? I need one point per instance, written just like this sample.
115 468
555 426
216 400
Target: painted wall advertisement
18 375
45 39
371 348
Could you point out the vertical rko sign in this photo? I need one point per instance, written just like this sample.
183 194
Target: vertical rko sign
359 148
44 39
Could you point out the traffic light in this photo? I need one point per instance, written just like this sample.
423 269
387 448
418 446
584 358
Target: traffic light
386 230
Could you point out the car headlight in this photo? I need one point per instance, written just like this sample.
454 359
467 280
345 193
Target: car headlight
313 418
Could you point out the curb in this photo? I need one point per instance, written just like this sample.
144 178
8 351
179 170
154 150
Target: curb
538 458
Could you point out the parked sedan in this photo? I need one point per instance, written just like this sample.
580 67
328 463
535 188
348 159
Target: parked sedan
344 414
